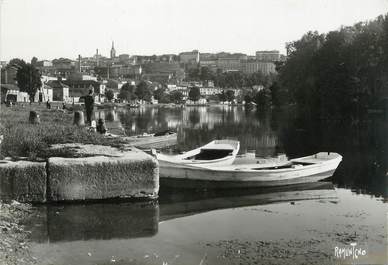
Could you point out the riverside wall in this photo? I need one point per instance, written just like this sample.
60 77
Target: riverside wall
100 172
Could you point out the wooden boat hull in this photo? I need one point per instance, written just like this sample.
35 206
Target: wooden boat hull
210 184
185 176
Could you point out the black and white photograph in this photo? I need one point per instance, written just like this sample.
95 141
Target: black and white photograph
193 132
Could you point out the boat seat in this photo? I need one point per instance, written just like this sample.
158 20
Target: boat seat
211 154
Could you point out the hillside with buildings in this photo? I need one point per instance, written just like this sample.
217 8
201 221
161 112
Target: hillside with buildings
67 80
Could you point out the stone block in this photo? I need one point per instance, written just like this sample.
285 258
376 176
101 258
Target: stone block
108 173
23 181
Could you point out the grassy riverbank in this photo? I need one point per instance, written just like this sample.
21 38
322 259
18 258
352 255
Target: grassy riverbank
22 139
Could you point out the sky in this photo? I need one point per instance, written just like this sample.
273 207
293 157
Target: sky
51 29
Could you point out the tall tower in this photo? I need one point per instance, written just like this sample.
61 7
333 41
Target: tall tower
112 51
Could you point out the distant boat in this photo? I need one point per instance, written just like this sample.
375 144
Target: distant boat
295 171
215 153
150 140
153 141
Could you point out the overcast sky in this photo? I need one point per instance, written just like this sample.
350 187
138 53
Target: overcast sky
50 29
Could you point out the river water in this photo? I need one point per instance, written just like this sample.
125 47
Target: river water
304 224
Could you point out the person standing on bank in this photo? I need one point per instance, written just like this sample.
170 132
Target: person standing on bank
89 106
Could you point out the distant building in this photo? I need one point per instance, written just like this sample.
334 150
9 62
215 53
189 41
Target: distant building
207 56
8 75
209 63
112 51
251 67
210 91
268 56
60 90
114 84
81 76
177 73
158 77
229 64
62 67
44 63
124 58
44 94
46 78
13 93
189 57
79 88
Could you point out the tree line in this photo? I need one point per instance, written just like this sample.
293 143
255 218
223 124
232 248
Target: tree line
338 74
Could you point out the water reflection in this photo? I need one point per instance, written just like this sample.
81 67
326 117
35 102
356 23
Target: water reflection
199 125
362 144
105 221
100 221
175 204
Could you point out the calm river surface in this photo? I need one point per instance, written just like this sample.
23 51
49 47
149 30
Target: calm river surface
302 224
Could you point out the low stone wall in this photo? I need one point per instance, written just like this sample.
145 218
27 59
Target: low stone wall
101 172
23 181
115 174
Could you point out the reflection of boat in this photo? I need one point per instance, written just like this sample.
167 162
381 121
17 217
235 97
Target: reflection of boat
133 106
72 222
154 140
300 170
177 203
215 153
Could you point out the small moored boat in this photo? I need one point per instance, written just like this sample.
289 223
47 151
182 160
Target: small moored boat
215 153
155 140
295 171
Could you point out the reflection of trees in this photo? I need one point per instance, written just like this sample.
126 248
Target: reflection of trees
194 117
109 116
149 120
363 146
251 136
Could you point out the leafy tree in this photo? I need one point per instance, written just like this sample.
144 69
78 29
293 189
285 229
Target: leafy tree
206 74
109 94
28 78
143 91
159 93
34 61
263 99
101 71
200 74
230 95
340 73
127 92
176 97
222 96
194 94
248 98
16 62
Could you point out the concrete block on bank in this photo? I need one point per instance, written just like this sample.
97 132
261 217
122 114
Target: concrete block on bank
113 174
23 181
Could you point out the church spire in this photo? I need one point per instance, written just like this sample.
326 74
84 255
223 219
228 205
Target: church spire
112 51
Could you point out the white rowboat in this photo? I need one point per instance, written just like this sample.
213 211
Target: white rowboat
215 153
295 171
